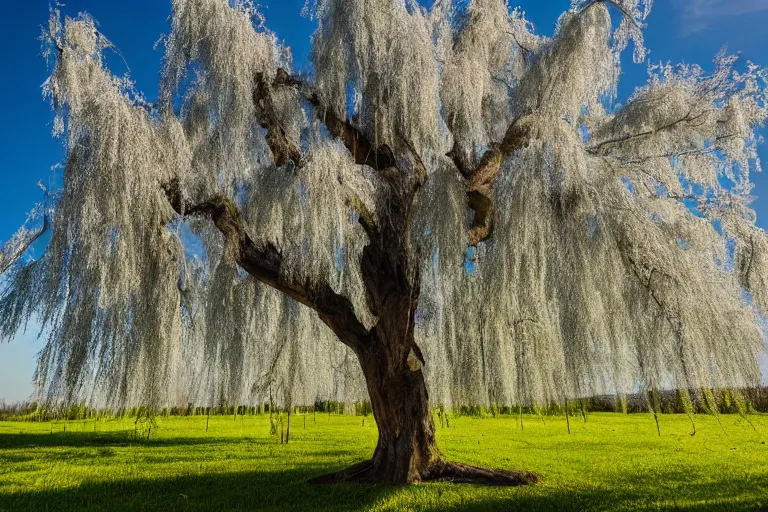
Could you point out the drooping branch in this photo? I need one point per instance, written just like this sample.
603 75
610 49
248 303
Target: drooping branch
264 261
672 317
679 153
618 5
647 283
745 278
19 244
683 113
599 148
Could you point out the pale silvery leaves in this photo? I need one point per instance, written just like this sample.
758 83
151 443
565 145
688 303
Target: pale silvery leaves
703 137
213 55
632 15
383 51
483 55
310 215
619 259
581 45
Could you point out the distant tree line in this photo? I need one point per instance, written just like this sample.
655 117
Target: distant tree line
753 400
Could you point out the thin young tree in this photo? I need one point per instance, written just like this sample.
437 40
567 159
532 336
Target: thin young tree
461 203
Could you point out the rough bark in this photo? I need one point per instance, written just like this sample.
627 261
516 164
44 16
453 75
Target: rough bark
406 447
480 179
406 451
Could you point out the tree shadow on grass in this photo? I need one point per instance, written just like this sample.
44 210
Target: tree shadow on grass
597 501
289 491
98 439
253 490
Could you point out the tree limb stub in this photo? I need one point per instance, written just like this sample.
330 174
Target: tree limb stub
263 261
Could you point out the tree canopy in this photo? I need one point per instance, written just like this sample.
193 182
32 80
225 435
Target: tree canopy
212 245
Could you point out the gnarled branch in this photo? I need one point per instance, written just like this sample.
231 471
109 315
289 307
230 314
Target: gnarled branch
480 180
283 149
362 149
264 261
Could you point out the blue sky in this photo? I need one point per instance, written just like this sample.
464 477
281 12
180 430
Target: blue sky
679 30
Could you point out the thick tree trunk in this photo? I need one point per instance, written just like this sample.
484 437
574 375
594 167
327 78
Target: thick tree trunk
406 448
392 365
407 451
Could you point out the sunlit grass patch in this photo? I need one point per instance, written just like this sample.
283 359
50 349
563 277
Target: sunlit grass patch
611 462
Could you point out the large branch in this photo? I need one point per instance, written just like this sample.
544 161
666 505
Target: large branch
364 152
283 148
286 150
480 180
362 149
264 262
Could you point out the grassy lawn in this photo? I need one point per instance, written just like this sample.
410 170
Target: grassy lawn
611 462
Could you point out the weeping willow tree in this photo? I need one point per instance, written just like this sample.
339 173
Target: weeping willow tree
459 202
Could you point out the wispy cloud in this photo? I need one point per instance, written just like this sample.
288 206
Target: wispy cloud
699 14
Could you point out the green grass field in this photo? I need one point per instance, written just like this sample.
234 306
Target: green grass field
611 462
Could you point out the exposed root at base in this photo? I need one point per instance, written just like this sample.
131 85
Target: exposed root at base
457 473
439 471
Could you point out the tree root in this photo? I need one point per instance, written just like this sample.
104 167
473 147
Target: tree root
457 473
438 471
